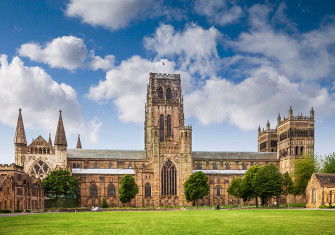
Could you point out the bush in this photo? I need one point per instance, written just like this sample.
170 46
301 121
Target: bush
104 204
17 211
27 210
5 211
326 207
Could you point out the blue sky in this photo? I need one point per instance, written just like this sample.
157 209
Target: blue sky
241 63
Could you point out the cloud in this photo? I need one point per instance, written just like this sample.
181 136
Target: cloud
115 14
220 12
34 90
66 52
307 56
254 100
195 48
125 85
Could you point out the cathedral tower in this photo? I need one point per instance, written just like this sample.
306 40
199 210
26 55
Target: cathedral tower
168 143
20 140
267 139
295 138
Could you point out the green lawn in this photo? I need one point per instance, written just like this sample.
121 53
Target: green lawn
261 221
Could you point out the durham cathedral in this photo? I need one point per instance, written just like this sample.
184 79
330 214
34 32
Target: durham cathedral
160 170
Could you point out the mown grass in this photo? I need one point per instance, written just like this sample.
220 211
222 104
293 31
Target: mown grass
252 221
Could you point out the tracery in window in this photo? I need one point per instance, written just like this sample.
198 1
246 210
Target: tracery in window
160 93
93 190
111 190
168 94
40 169
169 178
147 190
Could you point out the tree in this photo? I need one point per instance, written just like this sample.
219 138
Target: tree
59 182
303 170
128 189
248 189
196 187
268 183
328 164
235 186
287 184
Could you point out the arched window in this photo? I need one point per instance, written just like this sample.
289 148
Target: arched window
198 166
40 169
301 150
160 93
161 128
168 126
111 190
218 190
96 165
227 164
147 190
168 94
169 178
93 190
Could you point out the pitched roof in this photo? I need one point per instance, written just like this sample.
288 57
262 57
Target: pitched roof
326 179
107 154
102 171
60 138
20 134
234 155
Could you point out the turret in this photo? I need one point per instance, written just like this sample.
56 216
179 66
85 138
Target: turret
312 114
278 119
268 125
290 112
259 130
60 138
50 141
78 143
186 140
20 140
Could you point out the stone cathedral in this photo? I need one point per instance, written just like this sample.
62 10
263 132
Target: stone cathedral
168 160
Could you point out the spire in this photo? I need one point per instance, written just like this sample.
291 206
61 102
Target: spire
20 135
268 125
290 112
278 118
79 143
60 138
312 113
50 141
259 129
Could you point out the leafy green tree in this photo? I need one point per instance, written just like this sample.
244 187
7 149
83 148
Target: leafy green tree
268 183
128 189
234 188
303 170
248 189
287 184
196 187
58 183
328 164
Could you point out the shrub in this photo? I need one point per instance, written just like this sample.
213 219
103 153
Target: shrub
17 211
104 204
5 211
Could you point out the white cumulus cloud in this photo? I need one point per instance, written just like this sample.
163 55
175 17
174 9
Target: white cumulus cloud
113 14
68 52
221 12
34 90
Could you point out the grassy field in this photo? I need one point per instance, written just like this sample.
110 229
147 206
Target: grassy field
262 221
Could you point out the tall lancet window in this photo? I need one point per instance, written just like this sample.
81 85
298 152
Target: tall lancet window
160 93
168 126
169 178
168 94
161 128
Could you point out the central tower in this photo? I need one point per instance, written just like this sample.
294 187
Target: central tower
168 143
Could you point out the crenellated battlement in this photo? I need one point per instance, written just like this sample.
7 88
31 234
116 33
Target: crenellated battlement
164 76
12 166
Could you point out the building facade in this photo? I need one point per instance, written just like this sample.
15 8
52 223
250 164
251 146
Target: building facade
161 169
320 190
